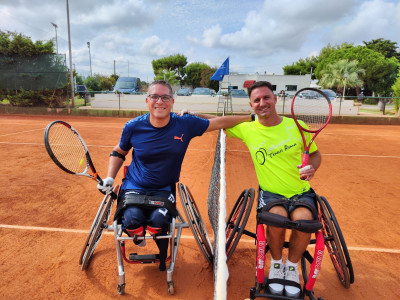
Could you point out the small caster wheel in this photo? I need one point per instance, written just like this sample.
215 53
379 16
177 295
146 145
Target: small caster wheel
171 287
121 289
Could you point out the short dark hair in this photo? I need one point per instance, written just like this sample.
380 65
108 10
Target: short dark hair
258 84
162 82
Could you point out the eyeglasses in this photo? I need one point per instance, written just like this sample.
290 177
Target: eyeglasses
155 97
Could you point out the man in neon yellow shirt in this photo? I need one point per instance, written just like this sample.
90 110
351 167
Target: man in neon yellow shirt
275 145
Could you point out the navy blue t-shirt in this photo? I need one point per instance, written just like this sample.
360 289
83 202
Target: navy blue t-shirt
158 153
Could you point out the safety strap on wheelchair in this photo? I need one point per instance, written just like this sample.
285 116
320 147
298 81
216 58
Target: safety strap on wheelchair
275 220
145 201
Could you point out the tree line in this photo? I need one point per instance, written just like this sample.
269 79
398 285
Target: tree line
372 68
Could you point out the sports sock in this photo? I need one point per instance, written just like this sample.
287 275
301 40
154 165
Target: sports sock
162 245
291 264
273 261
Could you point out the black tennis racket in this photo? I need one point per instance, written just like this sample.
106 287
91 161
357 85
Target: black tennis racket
314 108
68 150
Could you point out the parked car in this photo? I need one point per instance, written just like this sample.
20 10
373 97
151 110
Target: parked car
81 90
331 94
127 85
239 93
201 91
184 92
308 94
234 93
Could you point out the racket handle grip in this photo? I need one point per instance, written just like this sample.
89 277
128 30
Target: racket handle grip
304 162
304 159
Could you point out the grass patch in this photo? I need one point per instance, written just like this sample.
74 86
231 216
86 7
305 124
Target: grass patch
389 112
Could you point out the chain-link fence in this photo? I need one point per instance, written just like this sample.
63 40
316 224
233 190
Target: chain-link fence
47 71
34 81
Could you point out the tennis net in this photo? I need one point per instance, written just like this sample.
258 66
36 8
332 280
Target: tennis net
217 213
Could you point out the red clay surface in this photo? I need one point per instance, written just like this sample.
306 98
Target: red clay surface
359 177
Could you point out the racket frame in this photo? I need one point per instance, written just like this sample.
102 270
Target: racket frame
89 164
306 154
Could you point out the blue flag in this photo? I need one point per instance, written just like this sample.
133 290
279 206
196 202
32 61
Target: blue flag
223 70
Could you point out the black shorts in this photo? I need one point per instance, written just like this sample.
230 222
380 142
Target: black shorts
267 200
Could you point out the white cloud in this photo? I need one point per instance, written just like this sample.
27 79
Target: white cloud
256 35
154 46
211 36
374 19
273 28
118 15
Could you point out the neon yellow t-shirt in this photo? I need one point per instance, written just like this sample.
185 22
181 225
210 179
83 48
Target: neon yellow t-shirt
276 152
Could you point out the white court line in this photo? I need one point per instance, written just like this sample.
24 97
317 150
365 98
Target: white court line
210 150
360 155
53 229
19 132
189 237
42 144
366 249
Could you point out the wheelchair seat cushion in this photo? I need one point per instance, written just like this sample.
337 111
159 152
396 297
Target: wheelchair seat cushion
308 226
144 201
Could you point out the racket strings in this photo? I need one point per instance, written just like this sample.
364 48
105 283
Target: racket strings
67 148
314 112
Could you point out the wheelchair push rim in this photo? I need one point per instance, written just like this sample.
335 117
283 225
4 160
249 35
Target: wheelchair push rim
335 244
99 224
237 220
196 223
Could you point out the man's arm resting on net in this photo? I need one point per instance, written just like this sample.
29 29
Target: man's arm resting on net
227 121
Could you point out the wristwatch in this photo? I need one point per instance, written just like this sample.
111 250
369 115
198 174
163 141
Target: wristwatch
253 117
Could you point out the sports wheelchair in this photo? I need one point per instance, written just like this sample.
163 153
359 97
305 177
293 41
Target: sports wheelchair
101 222
327 235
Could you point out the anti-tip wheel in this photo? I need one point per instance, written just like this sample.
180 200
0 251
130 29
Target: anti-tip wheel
171 287
121 289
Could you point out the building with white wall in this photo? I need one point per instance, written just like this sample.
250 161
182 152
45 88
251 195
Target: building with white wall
289 83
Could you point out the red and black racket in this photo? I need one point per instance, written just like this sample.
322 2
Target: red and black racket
68 150
314 108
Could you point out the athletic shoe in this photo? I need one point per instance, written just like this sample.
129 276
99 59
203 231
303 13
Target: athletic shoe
276 271
292 274
140 243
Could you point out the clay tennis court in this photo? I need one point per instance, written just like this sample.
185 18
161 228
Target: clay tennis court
45 214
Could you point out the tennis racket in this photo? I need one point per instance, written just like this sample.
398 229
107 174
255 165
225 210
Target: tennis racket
314 109
68 150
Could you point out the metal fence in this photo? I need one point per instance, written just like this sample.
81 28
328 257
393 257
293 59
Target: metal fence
47 71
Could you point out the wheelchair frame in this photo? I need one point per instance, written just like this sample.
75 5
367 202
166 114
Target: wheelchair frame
101 222
332 236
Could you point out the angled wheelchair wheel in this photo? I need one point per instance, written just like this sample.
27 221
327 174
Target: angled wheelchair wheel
335 244
237 220
96 231
196 223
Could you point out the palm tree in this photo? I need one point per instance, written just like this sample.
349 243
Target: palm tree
167 75
341 74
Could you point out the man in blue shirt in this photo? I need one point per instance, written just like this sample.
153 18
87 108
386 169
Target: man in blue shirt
159 141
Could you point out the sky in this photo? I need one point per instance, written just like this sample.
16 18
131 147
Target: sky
257 35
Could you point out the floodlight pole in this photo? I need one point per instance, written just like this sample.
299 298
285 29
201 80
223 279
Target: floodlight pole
70 60
55 27
90 59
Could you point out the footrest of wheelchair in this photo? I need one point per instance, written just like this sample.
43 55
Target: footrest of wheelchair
263 292
145 259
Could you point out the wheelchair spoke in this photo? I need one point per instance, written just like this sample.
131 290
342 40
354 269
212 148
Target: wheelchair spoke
334 244
237 220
